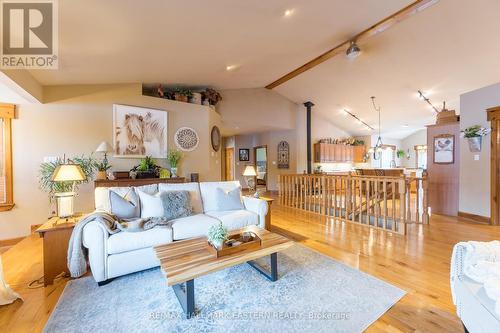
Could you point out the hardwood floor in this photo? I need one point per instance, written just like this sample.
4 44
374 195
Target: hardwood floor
418 263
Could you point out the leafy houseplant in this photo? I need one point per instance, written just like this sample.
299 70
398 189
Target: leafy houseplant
147 168
101 168
212 96
182 94
47 170
474 134
217 235
173 158
400 153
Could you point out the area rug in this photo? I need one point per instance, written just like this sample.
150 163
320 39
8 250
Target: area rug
313 294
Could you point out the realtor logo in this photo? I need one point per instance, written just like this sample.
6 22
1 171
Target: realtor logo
29 34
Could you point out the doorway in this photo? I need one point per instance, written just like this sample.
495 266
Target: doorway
229 164
260 156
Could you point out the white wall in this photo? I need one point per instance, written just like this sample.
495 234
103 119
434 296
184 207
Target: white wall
73 122
474 195
409 143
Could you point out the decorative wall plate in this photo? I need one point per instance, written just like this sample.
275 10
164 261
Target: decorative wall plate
215 137
283 155
186 139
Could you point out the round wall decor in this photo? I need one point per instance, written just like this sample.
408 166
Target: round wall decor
186 139
215 136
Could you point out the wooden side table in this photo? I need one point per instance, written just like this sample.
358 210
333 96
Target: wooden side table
56 233
268 216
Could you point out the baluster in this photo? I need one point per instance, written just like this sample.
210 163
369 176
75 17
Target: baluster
408 200
417 200
360 210
425 208
385 203
402 201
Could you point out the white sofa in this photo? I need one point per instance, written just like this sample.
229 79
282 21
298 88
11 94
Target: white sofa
474 308
127 252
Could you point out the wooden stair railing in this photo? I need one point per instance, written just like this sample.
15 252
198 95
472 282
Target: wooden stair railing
381 202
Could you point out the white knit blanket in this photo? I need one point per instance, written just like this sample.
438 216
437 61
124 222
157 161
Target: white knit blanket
77 253
479 261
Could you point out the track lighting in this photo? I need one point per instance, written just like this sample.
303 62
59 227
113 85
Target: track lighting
353 51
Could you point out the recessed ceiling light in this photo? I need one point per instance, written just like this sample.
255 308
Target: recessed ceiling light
231 67
405 125
289 12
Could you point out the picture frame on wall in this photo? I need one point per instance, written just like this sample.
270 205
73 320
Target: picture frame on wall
139 132
444 149
244 155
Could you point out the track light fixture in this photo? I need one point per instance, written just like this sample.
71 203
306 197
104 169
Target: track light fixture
353 51
422 96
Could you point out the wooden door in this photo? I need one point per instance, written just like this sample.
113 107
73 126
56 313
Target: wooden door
494 117
229 165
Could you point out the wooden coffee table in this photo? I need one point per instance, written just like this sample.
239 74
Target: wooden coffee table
183 261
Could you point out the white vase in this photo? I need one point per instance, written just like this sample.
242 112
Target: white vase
173 171
475 143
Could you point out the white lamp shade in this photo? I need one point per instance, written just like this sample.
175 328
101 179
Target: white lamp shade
103 147
249 171
68 172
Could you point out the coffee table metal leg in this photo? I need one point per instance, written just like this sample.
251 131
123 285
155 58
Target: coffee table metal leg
185 295
273 275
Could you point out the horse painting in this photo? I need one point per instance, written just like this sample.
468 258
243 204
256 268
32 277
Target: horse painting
139 131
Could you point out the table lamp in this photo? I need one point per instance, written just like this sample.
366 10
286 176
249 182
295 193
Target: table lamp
250 173
65 200
104 147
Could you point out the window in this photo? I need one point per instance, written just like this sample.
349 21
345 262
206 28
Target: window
6 194
421 156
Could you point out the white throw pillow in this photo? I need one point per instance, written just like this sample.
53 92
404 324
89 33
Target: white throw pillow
151 205
228 200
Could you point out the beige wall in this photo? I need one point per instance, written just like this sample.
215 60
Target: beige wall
475 175
75 121
409 143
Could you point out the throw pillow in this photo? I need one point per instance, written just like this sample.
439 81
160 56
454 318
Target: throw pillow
228 200
171 204
126 206
176 204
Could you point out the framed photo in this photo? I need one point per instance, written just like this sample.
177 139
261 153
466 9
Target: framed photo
244 155
139 132
444 149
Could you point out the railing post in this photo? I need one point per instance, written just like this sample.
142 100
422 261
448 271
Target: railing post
348 193
425 204
323 195
402 204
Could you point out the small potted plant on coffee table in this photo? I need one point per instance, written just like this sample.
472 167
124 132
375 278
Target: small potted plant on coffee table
217 235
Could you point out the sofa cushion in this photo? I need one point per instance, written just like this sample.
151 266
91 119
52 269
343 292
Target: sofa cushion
229 200
208 190
192 226
125 206
151 205
170 204
130 241
192 188
235 219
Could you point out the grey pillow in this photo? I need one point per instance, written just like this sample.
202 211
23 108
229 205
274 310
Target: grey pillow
228 200
176 204
126 207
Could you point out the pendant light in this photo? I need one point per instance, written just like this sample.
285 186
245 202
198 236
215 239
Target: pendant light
377 149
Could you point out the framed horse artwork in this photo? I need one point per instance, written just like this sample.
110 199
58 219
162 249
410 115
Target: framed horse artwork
139 132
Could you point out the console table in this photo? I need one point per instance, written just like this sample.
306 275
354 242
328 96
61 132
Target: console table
121 182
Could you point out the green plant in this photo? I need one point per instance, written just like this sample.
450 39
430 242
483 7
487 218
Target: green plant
173 157
47 170
212 96
358 142
400 153
102 166
146 164
183 92
217 234
475 131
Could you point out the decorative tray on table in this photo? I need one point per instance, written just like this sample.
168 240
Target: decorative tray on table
236 243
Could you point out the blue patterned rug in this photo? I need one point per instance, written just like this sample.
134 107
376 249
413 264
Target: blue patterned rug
313 294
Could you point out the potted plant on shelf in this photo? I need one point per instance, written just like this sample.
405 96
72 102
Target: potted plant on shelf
147 168
474 135
211 96
182 94
217 235
101 168
173 158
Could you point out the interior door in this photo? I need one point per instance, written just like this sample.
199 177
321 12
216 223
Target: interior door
229 165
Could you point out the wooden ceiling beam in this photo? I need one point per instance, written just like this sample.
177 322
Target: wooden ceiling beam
375 29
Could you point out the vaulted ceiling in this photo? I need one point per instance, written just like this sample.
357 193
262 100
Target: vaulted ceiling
445 50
